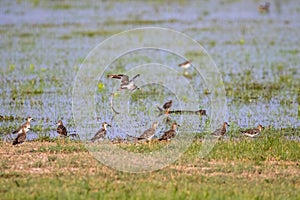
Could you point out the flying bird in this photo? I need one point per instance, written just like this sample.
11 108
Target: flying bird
253 132
149 133
126 84
100 135
185 64
168 135
264 8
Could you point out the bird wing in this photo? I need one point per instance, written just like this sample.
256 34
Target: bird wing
116 76
20 128
217 132
134 77
19 139
168 135
147 133
184 63
251 131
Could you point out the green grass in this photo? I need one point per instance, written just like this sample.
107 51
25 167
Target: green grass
262 168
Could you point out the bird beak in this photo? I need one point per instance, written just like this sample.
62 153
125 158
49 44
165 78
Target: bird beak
178 125
108 125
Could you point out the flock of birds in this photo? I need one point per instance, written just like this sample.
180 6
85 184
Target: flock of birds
128 84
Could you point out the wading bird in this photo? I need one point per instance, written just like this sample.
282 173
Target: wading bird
100 135
25 126
61 129
168 135
21 137
253 132
149 133
221 131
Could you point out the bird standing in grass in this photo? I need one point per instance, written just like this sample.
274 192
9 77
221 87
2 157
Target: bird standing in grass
149 133
21 137
100 135
221 131
25 126
126 84
61 129
168 135
253 132
167 106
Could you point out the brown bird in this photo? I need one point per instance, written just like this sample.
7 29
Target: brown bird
221 131
185 64
264 8
25 126
168 135
167 106
253 132
126 84
100 135
21 137
149 133
61 129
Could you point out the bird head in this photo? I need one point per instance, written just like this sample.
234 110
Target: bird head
29 119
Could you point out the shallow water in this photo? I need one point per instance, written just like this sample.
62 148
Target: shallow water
44 43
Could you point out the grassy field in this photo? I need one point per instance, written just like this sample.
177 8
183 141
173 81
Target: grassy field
263 168
45 43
